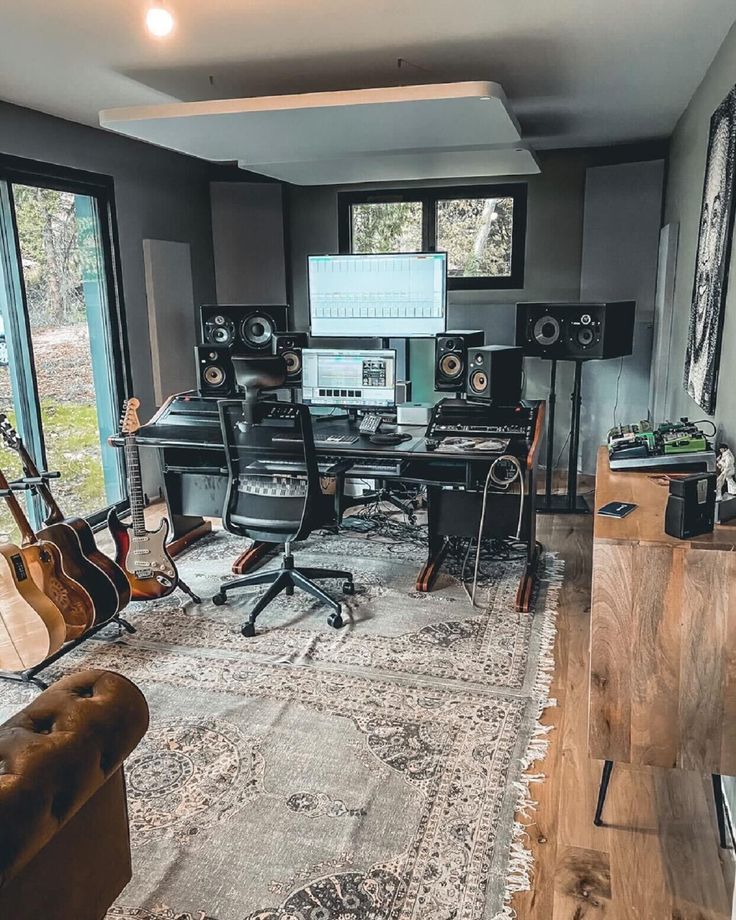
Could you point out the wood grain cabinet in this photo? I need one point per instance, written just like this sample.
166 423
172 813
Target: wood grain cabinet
663 635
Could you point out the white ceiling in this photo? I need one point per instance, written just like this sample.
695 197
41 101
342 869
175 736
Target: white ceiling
577 72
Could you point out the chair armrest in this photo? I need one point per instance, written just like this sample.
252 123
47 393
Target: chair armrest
57 752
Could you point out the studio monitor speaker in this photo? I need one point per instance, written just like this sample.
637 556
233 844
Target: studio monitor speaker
451 359
495 374
246 328
289 345
215 370
576 331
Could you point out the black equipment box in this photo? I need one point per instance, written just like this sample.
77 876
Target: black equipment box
691 506
463 417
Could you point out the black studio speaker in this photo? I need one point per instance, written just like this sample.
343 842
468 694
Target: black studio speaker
495 374
246 328
575 331
451 359
215 376
290 345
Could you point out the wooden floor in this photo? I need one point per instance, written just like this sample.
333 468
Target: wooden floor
657 858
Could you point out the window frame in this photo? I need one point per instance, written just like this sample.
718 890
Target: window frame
100 187
429 198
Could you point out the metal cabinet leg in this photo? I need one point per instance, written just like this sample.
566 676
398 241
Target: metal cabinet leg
602 790
720 810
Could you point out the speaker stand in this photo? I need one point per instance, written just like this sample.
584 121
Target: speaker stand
571 503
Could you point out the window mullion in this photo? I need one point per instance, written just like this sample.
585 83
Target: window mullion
18 338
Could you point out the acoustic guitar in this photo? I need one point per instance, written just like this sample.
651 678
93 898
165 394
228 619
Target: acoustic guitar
82 560
42 560
140 553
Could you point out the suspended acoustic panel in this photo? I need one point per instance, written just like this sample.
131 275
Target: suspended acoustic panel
445 130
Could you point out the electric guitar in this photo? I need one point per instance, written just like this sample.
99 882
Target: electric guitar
100 576
140 553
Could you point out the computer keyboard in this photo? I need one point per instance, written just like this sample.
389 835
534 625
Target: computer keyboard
278 465
378 467
319 441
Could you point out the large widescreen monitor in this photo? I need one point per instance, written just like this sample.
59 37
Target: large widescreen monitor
397 295
354 379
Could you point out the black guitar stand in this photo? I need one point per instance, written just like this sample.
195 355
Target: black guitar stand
183 586
30 675
570 503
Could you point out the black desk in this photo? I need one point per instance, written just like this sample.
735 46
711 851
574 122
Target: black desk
186 434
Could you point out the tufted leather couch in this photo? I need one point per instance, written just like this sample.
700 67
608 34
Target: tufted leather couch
64 842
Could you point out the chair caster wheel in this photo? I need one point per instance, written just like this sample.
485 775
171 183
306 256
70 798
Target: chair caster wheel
348 587
249 630
219 599
335 621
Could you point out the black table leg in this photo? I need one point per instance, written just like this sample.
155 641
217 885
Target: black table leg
602 790
720 810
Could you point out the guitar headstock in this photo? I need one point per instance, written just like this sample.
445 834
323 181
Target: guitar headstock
129 421
8 433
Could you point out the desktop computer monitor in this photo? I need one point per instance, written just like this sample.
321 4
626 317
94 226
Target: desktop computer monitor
397 295
352 379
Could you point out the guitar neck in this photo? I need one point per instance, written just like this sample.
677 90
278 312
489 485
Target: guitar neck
29 465
26 531
135 486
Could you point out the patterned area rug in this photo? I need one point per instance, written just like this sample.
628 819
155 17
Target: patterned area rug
309 774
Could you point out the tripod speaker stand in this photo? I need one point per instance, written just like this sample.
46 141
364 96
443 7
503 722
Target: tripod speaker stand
571 502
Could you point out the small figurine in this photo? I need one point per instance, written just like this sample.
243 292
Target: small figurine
726 464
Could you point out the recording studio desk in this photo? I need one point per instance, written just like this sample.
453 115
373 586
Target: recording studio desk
192 462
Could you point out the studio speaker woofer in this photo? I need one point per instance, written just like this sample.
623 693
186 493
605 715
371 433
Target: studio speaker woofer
215 370
450 358
495 374
290 345
247 328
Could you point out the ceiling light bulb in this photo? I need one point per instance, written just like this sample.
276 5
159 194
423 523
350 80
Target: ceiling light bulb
159 21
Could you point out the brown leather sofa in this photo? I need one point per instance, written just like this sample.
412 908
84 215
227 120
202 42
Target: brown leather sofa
64 842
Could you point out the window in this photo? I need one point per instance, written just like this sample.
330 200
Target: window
61 368
481 228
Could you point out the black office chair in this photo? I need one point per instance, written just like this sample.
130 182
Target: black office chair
277 507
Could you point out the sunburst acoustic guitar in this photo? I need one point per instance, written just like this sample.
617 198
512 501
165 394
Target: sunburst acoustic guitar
42 560
141 553
82 560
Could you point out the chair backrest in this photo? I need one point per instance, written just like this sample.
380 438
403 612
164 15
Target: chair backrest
261 504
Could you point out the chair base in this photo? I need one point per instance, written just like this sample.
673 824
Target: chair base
286 579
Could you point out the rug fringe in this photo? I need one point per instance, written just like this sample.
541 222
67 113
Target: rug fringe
521 860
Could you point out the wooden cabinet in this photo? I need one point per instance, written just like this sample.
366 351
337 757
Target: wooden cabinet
663 635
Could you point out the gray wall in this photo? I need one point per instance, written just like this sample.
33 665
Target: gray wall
159 195
556 200
682 205
623 207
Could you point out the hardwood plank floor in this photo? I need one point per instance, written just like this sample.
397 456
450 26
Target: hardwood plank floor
657 857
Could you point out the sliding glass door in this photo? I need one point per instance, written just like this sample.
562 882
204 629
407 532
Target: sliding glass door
60 370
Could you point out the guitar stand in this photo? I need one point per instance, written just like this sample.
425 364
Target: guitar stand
183 586
30 675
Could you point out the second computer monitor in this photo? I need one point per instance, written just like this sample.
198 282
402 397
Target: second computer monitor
349 378
387 295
